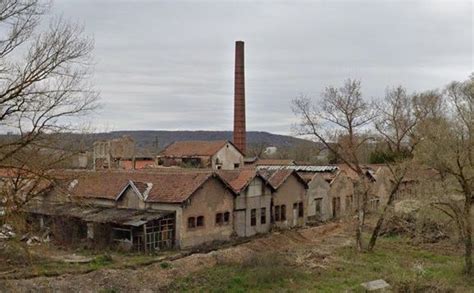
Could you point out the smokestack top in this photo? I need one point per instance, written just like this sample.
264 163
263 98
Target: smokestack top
239 98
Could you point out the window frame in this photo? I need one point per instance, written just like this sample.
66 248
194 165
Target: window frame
198 218
193 221
263 215
253 217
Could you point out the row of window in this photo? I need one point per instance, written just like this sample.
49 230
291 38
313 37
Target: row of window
253 216
224 218
221 219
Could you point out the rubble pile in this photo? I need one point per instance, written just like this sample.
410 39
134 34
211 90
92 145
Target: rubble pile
6 232
424 230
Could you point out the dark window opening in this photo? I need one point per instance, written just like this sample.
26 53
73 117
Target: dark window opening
253 217
277 213
226 217
283 212
236 166
200 221
318 206
300 210
263 216
191 222
191 162
219 219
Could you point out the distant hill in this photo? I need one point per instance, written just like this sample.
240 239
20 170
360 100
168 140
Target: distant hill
148 139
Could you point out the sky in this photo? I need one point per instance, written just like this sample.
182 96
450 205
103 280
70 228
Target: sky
168 65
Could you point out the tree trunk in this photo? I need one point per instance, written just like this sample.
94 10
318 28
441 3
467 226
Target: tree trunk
361 220
378 226
468 236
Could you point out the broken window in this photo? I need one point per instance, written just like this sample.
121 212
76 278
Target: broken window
219 219
283 212
318 203
300 210
200 221
253 217
277 213
120 234
191 222
263 216
222 218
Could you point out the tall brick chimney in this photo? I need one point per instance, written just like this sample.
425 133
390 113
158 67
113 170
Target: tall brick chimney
239 98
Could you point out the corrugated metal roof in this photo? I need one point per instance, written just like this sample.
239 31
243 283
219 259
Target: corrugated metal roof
97 214
300 168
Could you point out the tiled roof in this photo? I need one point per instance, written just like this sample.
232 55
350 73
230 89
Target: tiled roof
238 180
170 187
141 186
193 148
276 177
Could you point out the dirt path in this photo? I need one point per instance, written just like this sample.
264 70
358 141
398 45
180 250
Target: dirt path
309 247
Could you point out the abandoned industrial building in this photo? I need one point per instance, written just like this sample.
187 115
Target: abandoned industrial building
216 155
192 193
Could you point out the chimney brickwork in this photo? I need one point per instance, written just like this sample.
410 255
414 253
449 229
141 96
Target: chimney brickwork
239 98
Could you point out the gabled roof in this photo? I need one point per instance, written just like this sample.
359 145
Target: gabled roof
141 189
239 179
277 177
173 187
190 148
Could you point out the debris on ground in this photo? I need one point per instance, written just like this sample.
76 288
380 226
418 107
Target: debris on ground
423 230
6 232
32 239
312 244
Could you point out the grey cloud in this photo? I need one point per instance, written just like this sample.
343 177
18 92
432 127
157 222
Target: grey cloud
169 64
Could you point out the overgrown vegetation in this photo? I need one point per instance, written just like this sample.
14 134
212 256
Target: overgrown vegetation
406 267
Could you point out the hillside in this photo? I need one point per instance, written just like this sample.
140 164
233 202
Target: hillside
149 139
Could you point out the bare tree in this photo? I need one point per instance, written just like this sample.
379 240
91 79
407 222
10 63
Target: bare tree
447 145
339 124
43 83
395 124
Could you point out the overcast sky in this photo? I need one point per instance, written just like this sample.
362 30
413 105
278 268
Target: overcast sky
169 64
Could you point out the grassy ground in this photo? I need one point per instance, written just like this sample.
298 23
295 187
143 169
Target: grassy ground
407 267
20 261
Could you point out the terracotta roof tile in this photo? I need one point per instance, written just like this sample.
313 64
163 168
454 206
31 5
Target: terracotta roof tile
193 148
276 177
238 180
170 187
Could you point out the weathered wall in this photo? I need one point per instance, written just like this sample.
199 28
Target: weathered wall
341 187
290 192
256 196
318 188
210 199
130 200
228 156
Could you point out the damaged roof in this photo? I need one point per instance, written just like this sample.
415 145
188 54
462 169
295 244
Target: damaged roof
88 213
173 187
191 148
